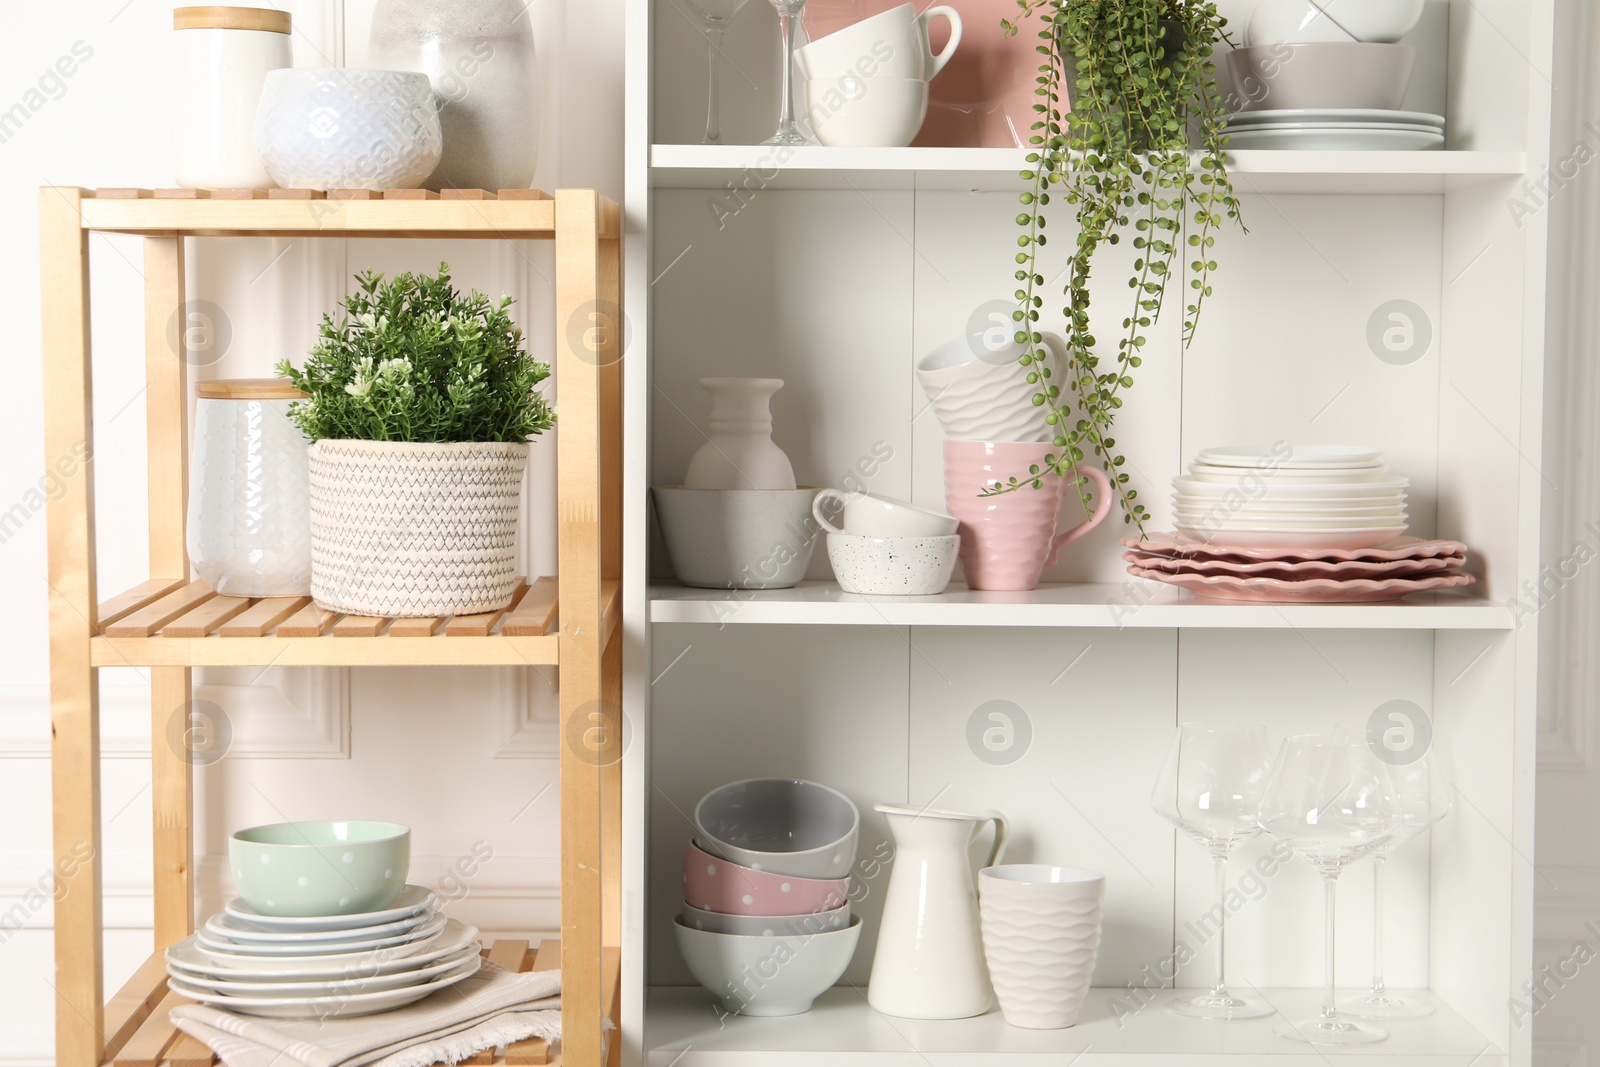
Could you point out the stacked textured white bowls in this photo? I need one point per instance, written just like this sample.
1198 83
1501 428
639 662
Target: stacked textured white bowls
1291 496
318 967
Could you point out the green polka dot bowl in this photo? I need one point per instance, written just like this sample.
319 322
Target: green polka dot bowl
320 868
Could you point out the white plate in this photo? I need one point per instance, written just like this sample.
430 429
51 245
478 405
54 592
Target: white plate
1259 523
1290 457
233 949
1365 480
1268 505
1405 127
1322 539
188 956
326 987
1266 492
1258 517
324 1007
1345 115
225 926
1349 139
412 899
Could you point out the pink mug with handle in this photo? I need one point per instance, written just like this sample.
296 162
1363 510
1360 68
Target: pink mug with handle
1009 539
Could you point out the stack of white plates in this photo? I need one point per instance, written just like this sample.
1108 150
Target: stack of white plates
300 967
1335 130
1290 496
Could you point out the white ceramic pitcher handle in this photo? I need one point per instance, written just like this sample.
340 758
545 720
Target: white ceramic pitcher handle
954 17
1102 508
1002 830
821 516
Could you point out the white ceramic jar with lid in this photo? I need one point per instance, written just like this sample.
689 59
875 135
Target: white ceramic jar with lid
249 529
221 59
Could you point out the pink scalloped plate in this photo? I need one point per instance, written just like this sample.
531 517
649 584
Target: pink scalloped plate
1297 571
1178 545
1310 591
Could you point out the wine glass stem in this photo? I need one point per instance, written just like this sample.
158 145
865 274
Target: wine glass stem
713 47
1377 926
1330 882
1221 862
786 114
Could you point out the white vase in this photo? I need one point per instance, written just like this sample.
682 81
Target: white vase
479 55
739 452
929 960
1041 936
249 531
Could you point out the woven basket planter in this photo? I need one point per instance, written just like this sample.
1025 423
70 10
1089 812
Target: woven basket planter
403 529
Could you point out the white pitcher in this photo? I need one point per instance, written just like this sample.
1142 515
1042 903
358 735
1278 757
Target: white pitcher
929 962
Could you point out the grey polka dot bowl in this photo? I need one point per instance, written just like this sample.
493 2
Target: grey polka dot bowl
320 868
893 566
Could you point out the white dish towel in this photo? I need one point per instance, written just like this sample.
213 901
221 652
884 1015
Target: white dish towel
492 1008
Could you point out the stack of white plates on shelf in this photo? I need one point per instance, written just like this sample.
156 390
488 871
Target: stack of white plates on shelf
1335 130
1292 496
301 967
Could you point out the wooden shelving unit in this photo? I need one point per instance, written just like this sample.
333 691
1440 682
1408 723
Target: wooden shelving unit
171 625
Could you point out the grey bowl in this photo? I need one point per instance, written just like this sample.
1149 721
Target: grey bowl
1344 75
737 538
782 825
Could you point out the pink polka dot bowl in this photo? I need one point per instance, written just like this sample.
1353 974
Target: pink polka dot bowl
712 883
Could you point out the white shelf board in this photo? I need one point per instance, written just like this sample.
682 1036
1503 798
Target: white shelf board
685 1027
694 166
1136 603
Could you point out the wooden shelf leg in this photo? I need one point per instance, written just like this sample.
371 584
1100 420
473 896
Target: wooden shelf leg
74 689
579 472
166 407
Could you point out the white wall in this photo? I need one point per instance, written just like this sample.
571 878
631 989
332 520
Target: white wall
461 756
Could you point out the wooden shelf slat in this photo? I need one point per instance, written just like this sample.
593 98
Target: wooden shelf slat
410 194
508 954
206 617
261 617
127 603
133 1003
466 194
482 624
418 627
359 626
535 612
519 214
324 651
189 1051
155 1034
309 621
296 194
152 617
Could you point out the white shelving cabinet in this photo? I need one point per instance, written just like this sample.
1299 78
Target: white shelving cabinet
835 270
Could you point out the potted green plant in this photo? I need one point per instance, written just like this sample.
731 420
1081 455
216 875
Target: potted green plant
420 405
1131 136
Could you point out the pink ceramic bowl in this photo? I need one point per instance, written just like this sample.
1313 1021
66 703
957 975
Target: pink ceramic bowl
713 884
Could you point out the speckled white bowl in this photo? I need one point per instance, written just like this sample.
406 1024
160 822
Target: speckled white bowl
893 566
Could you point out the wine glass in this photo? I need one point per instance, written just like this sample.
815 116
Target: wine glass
714 16
1332 801
1211 788
1423 796
788 128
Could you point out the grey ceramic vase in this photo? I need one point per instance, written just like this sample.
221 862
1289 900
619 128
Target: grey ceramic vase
479 56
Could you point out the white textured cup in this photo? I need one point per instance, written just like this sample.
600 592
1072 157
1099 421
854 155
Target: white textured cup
878 516
981 393
1041 936
890 44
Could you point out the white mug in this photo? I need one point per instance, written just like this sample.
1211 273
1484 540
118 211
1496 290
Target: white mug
891 44
879 516
980 391
852 112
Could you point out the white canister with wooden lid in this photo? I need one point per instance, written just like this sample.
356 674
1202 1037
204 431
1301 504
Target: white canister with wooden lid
249 530
221 59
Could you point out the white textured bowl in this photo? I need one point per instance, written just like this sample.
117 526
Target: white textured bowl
338 128
767 976
737 538
893 566
1041 937
820 922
